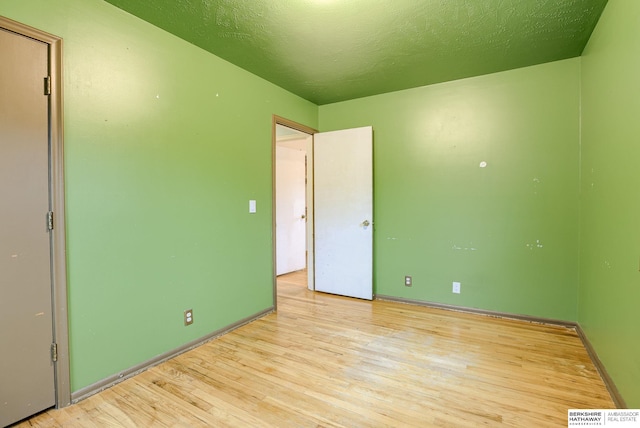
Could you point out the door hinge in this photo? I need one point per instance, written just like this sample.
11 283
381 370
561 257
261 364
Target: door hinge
50 220
47 85
54 352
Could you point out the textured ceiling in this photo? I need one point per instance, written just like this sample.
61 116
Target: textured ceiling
334 50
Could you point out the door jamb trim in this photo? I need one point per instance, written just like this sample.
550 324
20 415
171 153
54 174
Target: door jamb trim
62 373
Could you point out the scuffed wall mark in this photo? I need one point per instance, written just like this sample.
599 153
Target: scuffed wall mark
14 256
607 264
39 314
392 239
536 182
456 248
537 244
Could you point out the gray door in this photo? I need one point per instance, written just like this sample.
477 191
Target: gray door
26 320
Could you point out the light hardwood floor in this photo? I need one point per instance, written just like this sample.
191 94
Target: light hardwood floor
329 361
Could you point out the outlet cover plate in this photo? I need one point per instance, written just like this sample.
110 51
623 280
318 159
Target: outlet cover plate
188 317
456 287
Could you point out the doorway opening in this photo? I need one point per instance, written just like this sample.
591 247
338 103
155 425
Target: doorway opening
292 201
339 207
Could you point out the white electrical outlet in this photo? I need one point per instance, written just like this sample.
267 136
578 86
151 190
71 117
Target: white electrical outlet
188 317
408 281
456 287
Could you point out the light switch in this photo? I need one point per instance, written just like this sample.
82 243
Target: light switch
252 206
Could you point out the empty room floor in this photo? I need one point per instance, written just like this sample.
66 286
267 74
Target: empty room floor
331 361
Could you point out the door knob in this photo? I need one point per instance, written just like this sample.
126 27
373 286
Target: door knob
365 223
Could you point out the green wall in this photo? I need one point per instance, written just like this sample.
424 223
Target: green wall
609 294
509 231
164 146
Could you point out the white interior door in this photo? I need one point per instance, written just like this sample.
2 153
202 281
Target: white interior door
343 210
290 209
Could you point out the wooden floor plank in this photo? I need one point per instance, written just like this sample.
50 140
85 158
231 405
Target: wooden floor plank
331 361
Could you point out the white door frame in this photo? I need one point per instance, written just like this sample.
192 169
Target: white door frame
277 120
56 191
